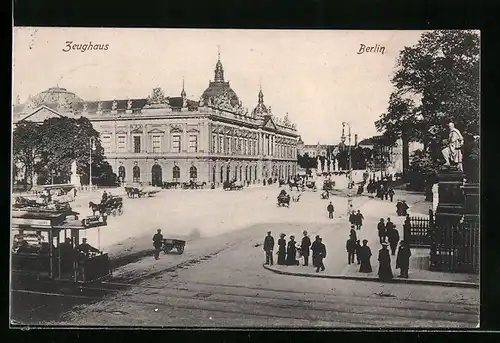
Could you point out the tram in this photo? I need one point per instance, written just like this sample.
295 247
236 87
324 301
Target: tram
46 245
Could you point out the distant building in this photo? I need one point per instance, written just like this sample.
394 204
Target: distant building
173 138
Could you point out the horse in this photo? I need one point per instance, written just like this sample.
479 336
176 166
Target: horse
296 198
200 184
132 192
96 208
293 184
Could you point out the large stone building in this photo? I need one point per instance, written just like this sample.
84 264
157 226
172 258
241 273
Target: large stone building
162 138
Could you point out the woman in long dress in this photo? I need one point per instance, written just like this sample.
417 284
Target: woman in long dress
281 249
384 259
291 253
364 256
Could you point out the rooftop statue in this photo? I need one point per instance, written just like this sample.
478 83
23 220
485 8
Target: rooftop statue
114 105
452 153
85 107
99 107
157 97
129 104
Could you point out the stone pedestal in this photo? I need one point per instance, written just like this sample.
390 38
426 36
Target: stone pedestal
75 180
128 111
450 208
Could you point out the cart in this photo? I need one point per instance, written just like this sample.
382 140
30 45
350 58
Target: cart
170 244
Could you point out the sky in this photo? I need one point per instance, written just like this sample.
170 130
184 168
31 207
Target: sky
316 76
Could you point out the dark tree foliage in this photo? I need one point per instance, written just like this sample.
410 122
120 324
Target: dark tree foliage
307 162
55 144
436 82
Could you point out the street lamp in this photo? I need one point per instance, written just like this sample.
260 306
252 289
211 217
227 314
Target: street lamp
92 147
349 187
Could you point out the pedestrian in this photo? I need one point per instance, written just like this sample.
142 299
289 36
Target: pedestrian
350 246
321 254
104 197
359 220
404 208
74 192
268 248
364 255
352 217
403 259
381 230
157 243
330 210
352 233
291 253
314 249
304 247
281 249
384 267
393 238
388 225
391 193
356 251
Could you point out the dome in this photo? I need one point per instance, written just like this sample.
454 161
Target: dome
219 87
55 98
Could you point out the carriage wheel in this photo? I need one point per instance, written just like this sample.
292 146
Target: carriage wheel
167 250
120 211
113 213
180 249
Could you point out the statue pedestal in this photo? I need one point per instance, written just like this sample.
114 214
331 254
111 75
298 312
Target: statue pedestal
75 180
450 208
471 203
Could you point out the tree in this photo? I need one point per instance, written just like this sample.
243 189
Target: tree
436 82
422 174
26 148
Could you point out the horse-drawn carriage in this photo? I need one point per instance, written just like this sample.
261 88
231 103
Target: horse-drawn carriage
328 185
231 186
311 185
325 195
141 191
193 185
283 199
113 205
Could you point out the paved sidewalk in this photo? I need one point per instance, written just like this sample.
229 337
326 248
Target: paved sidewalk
336 261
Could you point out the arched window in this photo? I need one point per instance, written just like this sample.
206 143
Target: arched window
241 173
121 173
156 177
193 172
221 174
255 173
136 172
246 173
176 173
214 170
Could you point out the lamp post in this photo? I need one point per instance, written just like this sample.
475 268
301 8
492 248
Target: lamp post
92 147
349 187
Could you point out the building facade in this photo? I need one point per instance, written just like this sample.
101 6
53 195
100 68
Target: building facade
174 139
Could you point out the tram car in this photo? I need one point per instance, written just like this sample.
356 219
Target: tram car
46 246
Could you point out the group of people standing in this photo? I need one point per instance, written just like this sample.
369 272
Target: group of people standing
381 188
287 253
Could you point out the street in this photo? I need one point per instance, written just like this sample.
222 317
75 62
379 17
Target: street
220 281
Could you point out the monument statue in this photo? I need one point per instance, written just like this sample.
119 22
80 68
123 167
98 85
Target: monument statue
75 177
99 107
73 168
129 104
85 107
184 103
452 153
114 105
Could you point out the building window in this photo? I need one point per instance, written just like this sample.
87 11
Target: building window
106 143
254 147
136 172
122 143
193 143
176 173
121 173
176 143
221 145
137 144
214 144
193 173
156 143
227 144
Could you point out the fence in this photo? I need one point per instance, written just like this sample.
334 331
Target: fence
418 232
455 248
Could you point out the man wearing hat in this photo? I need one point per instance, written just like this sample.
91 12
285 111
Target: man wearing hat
320 255
381 230
384 260
403 259
365 254
291 252
157 243
281 249
314 248
304 247
86 248
268 248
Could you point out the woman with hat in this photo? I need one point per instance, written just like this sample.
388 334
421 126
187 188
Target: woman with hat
403 259
384 260
365 254
281 249
291 253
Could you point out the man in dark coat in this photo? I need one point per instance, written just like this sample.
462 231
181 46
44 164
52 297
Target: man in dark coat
281 249
388 225
321 254
391 193
330 210
393 238
403 259
352 218
304 247
104 197
356 251
384 267
268 248
350 246
365 254
291 253
352 233
381 230
157 243
314 249
359 220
